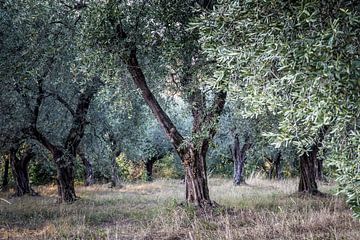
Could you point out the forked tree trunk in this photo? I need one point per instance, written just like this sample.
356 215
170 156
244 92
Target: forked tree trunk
19 168
65 177
205 119
193 159
89 175
5 179
65 155
239 158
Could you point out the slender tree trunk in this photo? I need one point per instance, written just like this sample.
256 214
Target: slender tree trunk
115 179
65 177
89 176
278 166
19 168
239 165
149 164
271 171
116 151
239 158
319 169
5 179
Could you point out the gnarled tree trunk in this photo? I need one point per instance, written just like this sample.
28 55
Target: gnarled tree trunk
5 178
20 173
89 175
205 119
197 191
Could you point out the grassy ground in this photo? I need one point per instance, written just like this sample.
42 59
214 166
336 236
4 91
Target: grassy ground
260 210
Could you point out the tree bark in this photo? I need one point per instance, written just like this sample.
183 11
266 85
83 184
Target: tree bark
197 191
5 179
65 176
89 175
19 168
307 182
239 158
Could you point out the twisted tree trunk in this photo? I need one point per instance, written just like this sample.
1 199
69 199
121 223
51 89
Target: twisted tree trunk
193 155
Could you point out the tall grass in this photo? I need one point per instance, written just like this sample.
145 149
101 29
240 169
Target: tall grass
261 209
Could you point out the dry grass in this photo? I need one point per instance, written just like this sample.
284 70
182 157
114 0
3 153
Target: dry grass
261 209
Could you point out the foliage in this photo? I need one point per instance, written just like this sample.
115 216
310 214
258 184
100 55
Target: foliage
299 61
